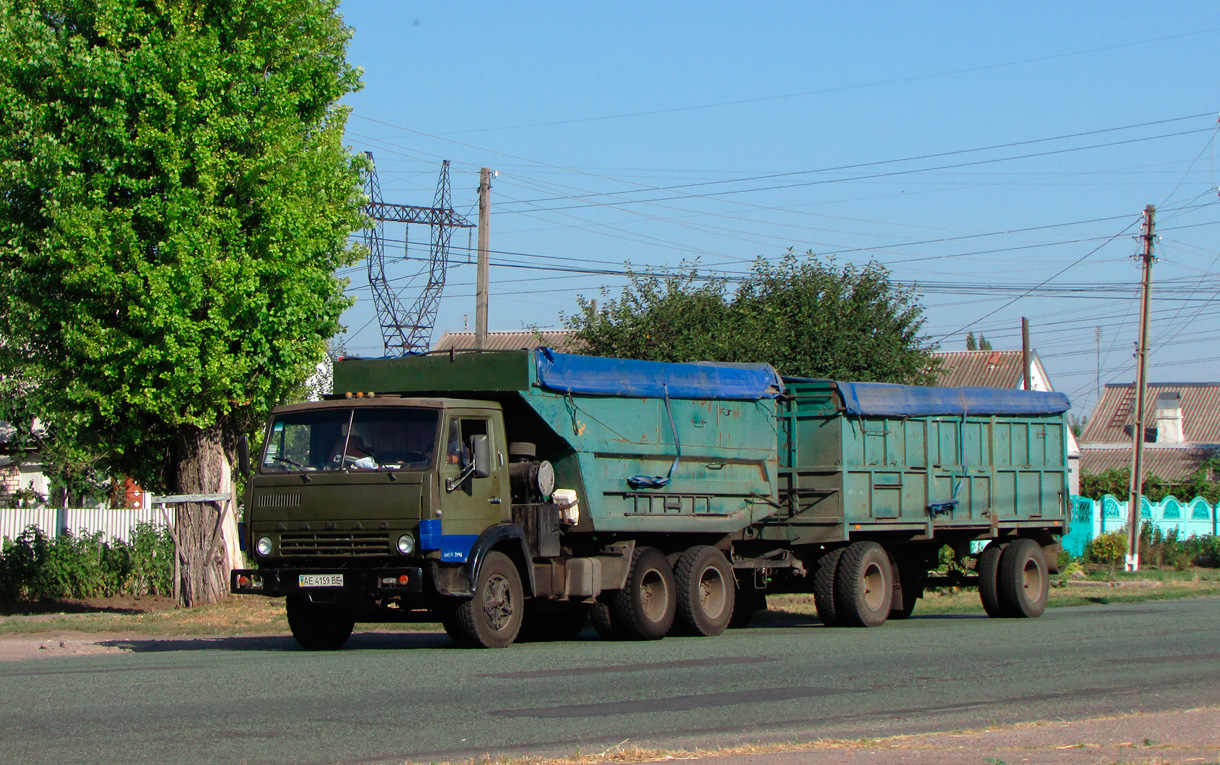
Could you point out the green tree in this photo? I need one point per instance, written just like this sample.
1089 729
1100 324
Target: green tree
971 343
174 201
803 316
984 343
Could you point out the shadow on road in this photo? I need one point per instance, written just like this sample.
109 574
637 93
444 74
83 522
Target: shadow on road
376 641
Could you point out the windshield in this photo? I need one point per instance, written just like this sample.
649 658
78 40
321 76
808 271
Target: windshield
347 439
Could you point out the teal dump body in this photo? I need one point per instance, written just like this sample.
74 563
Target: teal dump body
819 464
725 478
916 475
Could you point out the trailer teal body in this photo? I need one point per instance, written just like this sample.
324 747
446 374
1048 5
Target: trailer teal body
647 496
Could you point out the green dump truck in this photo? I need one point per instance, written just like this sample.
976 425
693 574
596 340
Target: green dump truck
520 494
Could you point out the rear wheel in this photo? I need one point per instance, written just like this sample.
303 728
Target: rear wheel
318 627
747 601
705 587
988 569
1024 581
824 587
493 617
911 579
644 608
864 585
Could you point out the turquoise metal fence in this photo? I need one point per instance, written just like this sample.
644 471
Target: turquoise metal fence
1196 518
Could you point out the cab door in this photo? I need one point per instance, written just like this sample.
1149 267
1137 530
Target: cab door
469 504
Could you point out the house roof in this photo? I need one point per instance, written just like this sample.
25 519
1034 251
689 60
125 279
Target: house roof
1114 414
1172 463
560 340
989 369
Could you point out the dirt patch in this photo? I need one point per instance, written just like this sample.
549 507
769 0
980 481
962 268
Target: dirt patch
117 604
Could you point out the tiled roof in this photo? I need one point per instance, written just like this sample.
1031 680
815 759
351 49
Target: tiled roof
1172 463
560 340
1114 413
989 369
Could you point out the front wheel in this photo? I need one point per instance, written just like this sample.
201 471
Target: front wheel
705 589
864 585
493 617
318 627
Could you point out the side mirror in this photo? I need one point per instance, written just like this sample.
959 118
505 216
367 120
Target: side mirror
482 456
243 455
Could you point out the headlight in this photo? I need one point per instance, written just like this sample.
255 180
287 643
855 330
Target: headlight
406 544
264 546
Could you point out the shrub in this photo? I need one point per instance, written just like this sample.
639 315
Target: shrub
37 567
1108 548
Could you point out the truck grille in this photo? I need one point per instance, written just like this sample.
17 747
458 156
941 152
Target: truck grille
334 543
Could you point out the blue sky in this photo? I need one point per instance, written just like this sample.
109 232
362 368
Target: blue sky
998 156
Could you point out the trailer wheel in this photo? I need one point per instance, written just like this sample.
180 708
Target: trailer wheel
1024 580
318 627
911 580
747 601
492 618
824 587
644 608
705 589
864 585
989 573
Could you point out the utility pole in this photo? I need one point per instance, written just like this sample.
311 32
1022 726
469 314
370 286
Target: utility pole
1097 389
484 266
1141 384
1025 376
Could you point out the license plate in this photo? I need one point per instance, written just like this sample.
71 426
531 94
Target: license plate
320 580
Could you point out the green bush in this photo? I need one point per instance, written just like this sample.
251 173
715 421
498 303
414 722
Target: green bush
37 567
1107 549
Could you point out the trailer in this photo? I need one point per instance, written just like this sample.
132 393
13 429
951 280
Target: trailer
520 494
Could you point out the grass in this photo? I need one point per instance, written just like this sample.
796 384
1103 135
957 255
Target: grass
253 615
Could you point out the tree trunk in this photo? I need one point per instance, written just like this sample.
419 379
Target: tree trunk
202 467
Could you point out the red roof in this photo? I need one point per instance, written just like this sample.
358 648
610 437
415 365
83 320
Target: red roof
988 369
1114 414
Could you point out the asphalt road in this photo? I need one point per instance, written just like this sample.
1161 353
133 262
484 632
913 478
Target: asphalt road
391 697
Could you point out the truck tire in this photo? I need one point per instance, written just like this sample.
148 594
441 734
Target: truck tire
1024 582
824 587
318 627
493 617
705 587
603 620
988 569
546 622
864 585
644 608
911 579
747 601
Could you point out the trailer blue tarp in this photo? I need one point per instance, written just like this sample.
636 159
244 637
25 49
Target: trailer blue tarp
888 400
594 375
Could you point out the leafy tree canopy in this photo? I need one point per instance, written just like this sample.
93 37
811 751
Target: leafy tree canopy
803 316
174 201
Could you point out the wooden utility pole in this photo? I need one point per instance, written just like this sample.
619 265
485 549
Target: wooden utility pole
1141 384
1025 375
484 266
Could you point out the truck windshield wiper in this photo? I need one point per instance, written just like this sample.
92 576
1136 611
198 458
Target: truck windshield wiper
289 461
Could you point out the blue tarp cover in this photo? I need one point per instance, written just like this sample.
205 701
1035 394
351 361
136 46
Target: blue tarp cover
594 375
884 399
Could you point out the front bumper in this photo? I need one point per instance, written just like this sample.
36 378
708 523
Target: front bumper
285 581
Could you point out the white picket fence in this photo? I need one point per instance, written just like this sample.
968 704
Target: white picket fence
114 523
